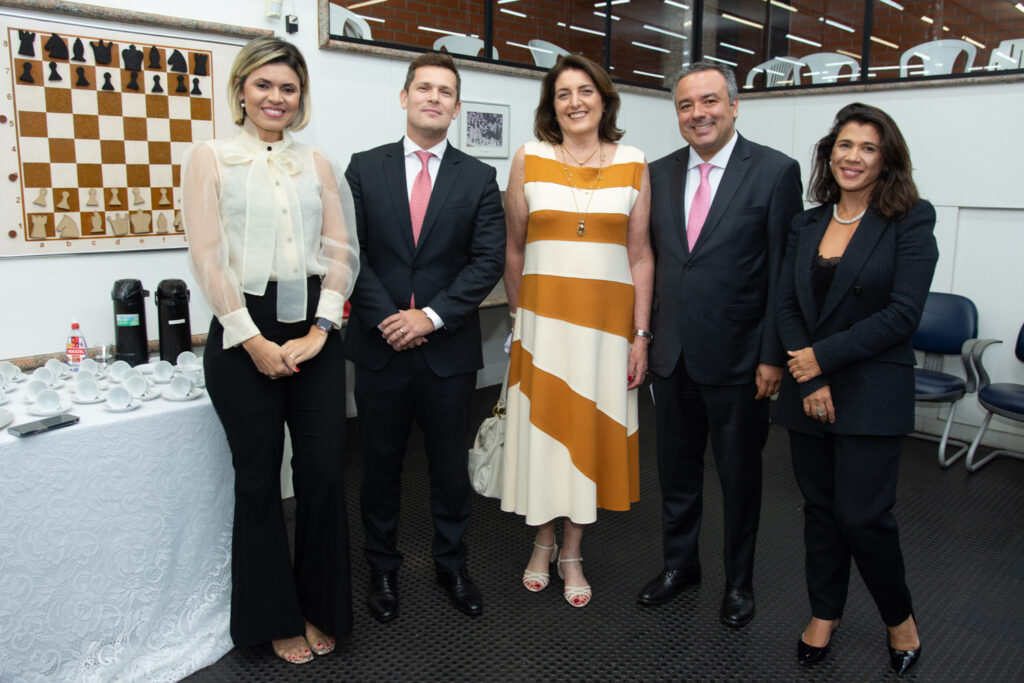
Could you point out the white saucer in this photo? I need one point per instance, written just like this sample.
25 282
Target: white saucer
98 399
189 368
20 377
6 418
145 368
150 394
130 407
60 410
195 393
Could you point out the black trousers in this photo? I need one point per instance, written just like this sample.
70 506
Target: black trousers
388 401
269 596
687 414
849 487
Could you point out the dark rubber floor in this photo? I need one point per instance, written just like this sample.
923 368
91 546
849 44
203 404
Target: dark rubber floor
963 538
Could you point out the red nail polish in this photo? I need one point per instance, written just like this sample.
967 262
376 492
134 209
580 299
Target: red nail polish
629 378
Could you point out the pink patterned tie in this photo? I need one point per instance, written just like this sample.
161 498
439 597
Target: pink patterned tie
418 201
699 207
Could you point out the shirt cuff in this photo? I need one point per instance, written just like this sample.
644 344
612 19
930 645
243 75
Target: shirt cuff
434 317
238 326
330 306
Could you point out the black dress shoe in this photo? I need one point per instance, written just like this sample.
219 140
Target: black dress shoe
666 585
902 660
462 592
737 606
382 598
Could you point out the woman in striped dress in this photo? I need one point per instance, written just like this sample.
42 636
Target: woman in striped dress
579 273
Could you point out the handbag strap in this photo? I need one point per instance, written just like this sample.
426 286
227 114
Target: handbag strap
499 407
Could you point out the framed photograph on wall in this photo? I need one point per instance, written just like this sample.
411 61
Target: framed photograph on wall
483 129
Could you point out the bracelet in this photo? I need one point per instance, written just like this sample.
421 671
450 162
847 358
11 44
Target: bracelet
645 334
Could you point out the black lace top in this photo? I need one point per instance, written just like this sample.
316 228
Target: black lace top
822 273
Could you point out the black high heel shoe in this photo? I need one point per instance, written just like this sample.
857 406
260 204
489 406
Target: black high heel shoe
809 654
902 660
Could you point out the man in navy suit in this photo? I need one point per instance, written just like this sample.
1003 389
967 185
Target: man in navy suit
432 244
720 212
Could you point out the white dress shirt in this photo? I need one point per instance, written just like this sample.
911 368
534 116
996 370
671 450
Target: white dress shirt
412 169
719 161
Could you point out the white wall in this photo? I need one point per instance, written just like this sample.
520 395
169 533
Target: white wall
955 134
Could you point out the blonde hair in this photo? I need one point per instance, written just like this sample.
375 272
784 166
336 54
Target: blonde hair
259 52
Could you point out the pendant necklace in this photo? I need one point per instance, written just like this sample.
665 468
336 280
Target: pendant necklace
589 156
581 217
835 214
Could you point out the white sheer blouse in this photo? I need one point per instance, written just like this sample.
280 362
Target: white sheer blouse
256 212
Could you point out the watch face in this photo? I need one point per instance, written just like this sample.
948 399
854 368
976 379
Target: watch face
324 324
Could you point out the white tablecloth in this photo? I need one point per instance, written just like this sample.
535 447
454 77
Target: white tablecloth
115 544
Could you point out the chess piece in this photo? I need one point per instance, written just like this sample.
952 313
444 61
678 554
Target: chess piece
101 52
26 73
78 51
161 224
54 75
156 85
163 200
137 197
67 227
177 222
118 224
114 201
131 57
200 64
195 87
181 84
92 198
177 62
38 230
140 223
107 85
41 199
81 81
63 203
97 224
154 58
133 82
56 46
28 43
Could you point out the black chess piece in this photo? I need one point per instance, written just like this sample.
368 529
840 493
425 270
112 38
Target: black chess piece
26 73
28 43
156 85
177 62
131 57
195 87
181 84
154 58
78 51
54 76
56 46
107 85
81 81
133 82
101 52
201 61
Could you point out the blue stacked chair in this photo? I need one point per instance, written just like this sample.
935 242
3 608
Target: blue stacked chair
1005 399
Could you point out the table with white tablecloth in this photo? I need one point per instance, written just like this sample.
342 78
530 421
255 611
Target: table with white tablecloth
115 544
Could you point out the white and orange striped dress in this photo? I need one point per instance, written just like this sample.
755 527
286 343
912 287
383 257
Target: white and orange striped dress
571 443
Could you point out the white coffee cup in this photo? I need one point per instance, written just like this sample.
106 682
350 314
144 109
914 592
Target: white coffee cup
44 375
181 386
162 371
187 359
8 369
119 398
117 368
3 393
90 365
56 367
34 386
87 389
137 385
48 400
84 374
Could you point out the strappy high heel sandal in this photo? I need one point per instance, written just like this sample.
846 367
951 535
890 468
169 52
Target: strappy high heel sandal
535 582
577 596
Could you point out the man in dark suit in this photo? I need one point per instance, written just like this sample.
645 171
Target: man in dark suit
432 241
720 212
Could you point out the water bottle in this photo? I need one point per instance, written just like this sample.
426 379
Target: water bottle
77 351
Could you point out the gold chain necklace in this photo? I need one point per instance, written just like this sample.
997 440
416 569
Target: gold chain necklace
581 218
589 156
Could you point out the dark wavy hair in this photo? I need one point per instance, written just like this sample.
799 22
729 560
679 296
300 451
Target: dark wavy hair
545 122
895 193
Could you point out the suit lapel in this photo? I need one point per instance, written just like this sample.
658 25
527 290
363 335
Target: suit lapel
677 185
807 251
394 173
857 252
443 185
732 179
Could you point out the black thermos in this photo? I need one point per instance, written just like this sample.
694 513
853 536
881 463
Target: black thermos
172 310
130 338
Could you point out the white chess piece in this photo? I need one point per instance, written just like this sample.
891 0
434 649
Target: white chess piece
41 199
118 224
63 203
92 198
114 200
161 224
164 201
177 222
38 230
140 222
137 196
67 228
97 223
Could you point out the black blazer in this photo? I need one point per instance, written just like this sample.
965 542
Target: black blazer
455 265
861 337
716 305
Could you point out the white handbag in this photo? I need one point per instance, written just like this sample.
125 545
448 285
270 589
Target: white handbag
488 452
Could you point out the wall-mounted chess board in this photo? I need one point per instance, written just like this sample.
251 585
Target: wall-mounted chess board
97 122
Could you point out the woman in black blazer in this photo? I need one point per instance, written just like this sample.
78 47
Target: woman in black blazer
855 278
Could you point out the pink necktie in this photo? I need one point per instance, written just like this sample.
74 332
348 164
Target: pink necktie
699 207
418 201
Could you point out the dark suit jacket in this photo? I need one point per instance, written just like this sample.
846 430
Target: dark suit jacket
861 337
455 265
716 305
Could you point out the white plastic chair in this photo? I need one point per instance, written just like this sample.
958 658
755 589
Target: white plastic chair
826 67
349 24
1009 55
938 57
776 72
463 45
545 54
